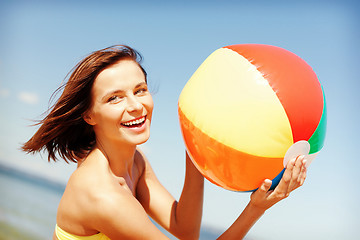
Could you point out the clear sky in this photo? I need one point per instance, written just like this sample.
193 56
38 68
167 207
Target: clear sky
40 41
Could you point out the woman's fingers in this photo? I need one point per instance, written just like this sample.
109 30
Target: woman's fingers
297 173
302 175
297 168
259 197
293 176
265 186
282 189
262 191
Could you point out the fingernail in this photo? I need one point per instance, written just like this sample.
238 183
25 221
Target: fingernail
304 163
268 181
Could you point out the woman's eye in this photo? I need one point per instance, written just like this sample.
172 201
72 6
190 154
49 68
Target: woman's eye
141 90
113 99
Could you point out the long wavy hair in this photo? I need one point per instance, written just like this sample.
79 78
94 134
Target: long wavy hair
63 132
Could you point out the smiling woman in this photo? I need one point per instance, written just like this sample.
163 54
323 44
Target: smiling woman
102 115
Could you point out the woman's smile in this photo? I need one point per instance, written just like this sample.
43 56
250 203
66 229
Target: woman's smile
135 123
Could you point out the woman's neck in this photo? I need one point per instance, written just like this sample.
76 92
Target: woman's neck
119 156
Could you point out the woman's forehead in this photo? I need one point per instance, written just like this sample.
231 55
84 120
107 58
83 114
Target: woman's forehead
120 76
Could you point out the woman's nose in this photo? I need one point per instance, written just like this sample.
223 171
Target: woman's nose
133 104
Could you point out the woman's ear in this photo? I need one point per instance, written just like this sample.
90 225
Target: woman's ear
87 118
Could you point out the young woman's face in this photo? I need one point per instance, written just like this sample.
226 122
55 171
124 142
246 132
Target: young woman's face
121 104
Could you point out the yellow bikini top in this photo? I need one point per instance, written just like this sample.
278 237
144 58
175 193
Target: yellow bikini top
62 235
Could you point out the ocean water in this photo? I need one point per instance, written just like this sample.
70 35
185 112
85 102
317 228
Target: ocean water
28 207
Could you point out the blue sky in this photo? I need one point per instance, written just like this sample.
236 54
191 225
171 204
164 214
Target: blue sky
41 41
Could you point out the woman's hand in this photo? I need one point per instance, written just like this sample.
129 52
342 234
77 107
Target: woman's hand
293 177
262 199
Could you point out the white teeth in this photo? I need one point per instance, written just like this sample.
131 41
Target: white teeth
138 121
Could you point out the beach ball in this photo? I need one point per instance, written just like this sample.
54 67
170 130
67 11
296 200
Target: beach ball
247 110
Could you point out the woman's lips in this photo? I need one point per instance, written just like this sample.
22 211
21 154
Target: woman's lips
138 122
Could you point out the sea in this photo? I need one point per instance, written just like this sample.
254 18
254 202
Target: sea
28 206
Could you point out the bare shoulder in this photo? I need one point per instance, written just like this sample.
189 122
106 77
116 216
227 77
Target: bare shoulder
94 201
114 211
85 190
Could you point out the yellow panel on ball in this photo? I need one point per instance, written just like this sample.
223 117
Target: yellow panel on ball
229 100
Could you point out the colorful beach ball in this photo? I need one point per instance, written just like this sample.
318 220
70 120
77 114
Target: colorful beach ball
247 110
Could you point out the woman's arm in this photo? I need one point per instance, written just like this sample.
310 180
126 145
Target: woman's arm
189 208
262 199
182 218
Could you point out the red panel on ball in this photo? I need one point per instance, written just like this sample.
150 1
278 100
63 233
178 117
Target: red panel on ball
295 84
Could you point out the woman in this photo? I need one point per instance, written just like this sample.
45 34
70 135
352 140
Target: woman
103 114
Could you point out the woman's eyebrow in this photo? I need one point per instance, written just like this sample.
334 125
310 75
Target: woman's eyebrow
142 84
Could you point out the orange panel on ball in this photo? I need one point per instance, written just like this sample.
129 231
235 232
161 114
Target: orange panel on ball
225 166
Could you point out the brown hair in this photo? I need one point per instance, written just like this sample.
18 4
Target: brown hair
63 130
